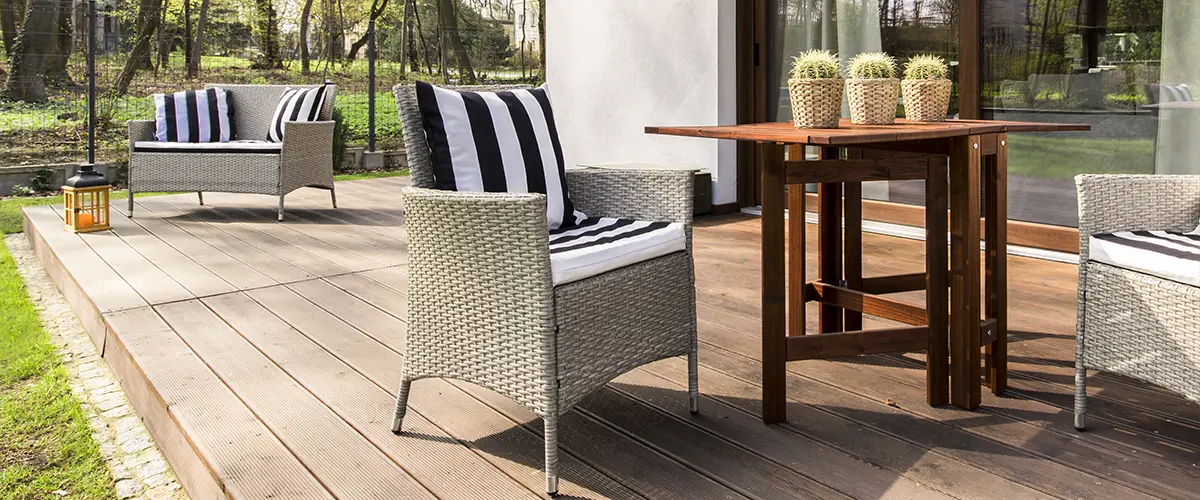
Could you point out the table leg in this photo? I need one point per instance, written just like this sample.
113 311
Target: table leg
937 359
996 287
852 208
964 276
797 278
774 303
829 242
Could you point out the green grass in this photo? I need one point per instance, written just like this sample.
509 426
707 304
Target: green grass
46 444
1060 157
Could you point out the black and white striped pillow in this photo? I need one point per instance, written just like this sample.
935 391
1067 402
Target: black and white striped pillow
296 105
193 116
1174 93
501 142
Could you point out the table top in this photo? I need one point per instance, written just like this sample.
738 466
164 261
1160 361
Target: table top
848 133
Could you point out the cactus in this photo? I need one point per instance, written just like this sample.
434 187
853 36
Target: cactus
816 64
925 67
872 65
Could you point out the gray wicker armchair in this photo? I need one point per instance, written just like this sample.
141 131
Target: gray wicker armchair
1133 323
482 307
304 159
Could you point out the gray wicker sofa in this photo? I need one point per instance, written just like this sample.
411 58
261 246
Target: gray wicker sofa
482 306
1138 314
303 159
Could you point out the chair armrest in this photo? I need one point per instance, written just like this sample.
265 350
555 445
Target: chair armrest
653 195
480 290
1110 203
306 156
140 130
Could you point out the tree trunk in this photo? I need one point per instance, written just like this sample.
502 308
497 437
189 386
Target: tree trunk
165 34
542 38
448 16
266 22
8 25
376 11
304 26
198 46
56 63
408 46
27 81
147 22
421 38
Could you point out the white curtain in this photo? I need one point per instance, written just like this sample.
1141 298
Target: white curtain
1178 146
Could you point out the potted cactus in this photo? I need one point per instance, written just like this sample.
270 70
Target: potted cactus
815 88
926 89
873 90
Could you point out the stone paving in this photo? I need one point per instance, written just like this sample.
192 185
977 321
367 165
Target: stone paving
137 466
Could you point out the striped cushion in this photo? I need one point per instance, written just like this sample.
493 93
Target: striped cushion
296 105
193 116
1171 93
597 245
497 142
241 147
1167 255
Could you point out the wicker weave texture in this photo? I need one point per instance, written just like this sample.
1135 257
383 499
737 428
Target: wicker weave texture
873 100
1112 203
926 100
653 195
816 102
254 106
1143 327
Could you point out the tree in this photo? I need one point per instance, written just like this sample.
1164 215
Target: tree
147 24
198 46
266 28
27 81
542 38
376 11
448 18
56 61
304 26
8 25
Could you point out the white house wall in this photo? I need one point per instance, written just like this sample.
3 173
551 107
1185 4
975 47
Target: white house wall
616 66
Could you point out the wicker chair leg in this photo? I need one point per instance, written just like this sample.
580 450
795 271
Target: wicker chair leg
333 197
281 208
401 406
1080 391
200 196
551 434
130 215
693 382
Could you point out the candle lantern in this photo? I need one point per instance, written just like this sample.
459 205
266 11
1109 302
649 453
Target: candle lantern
85 201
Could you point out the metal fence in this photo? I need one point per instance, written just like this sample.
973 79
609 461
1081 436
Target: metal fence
44 112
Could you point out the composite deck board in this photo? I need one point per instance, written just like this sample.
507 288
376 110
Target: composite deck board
154 285
269 263
267 239
304 424
366 406
330 343
382 365
195 278
234 444
233 271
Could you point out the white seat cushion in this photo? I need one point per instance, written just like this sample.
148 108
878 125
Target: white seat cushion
245 146
602 244
1167 255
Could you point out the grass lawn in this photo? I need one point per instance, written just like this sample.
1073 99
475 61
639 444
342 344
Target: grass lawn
46 444
1061 157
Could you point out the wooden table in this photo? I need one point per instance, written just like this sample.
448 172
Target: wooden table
909 151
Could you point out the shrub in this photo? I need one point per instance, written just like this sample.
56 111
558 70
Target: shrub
816 64
341 131
42 181
23 190
925 67
872 65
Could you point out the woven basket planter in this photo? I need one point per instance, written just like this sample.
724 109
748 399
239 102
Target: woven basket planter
926 100
816 102
873 101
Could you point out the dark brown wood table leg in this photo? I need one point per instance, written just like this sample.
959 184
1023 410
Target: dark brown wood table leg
829 232
996 286
937 302
852 208
964 276
796 244
774 292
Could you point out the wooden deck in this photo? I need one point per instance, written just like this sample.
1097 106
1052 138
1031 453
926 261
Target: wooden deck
264 356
